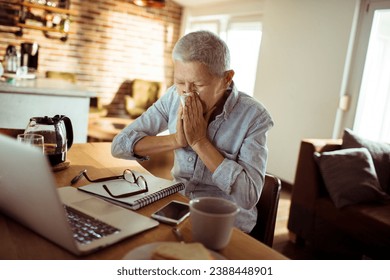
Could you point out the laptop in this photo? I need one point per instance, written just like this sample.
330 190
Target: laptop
28 194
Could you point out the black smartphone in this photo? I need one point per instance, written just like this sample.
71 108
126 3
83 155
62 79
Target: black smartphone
172 213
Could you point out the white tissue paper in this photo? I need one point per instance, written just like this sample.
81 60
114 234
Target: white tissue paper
183 98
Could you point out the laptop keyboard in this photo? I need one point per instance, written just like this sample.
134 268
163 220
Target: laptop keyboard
86 228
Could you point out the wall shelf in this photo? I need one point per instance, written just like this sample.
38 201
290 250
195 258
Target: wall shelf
48 19
43 28
48 8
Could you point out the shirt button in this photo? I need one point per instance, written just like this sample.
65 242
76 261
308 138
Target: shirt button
190 159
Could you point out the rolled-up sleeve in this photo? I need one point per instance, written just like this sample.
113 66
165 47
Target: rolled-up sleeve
150 123
123 144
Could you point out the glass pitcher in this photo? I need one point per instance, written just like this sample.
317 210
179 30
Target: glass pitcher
57 133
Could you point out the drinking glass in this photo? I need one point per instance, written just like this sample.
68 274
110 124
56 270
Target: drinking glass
32 139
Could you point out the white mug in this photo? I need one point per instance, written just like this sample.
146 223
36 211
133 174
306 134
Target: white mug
212 220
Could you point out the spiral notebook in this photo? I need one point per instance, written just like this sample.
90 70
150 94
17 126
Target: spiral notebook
158 189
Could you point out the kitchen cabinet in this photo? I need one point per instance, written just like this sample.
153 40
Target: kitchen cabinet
45 97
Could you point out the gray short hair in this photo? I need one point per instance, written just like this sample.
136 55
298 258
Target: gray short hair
204 47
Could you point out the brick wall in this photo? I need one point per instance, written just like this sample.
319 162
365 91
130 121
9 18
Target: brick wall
114 42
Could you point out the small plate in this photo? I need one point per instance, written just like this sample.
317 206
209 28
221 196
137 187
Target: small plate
144 252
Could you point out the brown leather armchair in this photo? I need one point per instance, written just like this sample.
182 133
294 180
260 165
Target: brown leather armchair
143 94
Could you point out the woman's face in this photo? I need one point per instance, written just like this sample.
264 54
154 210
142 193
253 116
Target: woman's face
195 77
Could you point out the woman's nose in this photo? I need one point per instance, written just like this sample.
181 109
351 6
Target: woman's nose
188 88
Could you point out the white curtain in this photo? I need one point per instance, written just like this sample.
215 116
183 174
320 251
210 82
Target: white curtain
373 113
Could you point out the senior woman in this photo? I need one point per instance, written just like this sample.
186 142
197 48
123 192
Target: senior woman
219 135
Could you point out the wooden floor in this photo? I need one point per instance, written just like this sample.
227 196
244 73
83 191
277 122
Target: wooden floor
282 241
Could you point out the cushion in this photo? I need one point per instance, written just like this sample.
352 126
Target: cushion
380 153
349 176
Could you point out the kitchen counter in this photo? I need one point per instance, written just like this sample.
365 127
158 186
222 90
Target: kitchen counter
23 99
45 87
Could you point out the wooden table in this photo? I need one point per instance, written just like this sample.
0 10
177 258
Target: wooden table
18 242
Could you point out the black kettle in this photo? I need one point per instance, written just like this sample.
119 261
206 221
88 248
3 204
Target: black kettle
57 136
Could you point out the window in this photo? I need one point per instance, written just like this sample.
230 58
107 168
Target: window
212 25
372 118
243 39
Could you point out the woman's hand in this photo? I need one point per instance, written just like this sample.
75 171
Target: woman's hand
194 122
180 137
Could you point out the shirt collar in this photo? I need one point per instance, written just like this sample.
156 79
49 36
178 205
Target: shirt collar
230 101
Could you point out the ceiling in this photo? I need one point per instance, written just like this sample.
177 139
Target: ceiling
196 3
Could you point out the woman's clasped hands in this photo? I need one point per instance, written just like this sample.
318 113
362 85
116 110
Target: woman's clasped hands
192 121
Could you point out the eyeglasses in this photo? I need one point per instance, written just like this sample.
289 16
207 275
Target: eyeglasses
127 175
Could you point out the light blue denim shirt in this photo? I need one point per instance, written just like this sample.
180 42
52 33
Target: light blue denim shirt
239 133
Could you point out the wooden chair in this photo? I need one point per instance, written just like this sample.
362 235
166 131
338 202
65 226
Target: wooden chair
267 209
